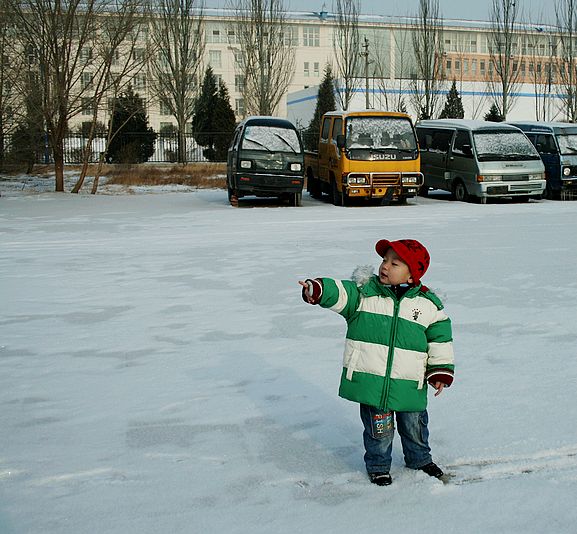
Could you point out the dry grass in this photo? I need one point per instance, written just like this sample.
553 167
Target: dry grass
202 175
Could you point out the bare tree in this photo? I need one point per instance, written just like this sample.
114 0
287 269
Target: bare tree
503 80
177 34
265 53
118 57
566 16
389 67
346 44
428 48
60 35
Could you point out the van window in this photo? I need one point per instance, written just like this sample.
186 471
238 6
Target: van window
441 140
271 139
337 129
462 144
568 143
545 144
325 131
503 145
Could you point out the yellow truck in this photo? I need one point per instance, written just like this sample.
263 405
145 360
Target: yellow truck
365 154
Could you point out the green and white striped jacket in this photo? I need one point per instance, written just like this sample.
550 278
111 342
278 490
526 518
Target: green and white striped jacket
393 346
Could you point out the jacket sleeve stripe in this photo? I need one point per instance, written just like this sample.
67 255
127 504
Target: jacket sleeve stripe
342 299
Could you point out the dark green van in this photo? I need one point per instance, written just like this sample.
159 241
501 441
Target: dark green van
265 159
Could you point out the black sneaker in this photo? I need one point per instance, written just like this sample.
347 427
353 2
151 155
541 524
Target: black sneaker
432 469
381 479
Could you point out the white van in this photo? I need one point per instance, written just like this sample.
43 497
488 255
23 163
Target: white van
479 159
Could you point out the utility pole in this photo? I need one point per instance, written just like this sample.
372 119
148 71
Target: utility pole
365 54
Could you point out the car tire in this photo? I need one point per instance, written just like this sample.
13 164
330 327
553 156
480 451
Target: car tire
460 193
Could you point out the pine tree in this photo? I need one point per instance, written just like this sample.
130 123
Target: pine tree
453 106
133 139
203 127
325 102
494 115
224 123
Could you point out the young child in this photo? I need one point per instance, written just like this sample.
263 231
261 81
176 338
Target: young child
398 338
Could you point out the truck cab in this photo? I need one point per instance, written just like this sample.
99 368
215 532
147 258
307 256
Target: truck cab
366 154
265 159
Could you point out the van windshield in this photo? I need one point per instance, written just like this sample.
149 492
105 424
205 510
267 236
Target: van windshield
271 139
568 144
499 145
380 134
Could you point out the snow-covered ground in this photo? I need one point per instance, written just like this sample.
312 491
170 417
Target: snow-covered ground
159 372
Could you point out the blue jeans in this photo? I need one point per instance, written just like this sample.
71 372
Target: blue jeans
414 433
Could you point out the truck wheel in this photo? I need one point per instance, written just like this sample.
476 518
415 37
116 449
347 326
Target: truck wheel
460 193
314 187
232 197
336 196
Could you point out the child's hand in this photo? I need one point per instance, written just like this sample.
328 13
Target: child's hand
439 386
312 290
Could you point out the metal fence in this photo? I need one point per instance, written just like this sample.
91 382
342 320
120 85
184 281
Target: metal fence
165 148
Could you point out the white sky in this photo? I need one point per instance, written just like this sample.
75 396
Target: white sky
454 9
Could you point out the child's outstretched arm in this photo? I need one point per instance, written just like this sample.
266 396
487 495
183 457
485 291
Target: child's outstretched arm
312 290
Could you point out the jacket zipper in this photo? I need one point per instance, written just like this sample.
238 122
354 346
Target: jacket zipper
385 398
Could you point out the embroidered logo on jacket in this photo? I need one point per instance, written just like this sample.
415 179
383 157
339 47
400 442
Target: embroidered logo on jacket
416 314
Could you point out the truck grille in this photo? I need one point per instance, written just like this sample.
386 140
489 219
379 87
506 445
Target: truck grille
385 179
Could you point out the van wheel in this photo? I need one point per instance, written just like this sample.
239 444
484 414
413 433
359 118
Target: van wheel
460 193
233 197
295 199
336 196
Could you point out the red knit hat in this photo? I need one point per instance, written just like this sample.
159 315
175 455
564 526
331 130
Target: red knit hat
413 253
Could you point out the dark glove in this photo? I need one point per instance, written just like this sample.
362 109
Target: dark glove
313 291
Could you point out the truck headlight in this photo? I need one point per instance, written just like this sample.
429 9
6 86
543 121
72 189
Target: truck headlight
538 176
566 171
410 179
296 167
359 180
490 178
245 164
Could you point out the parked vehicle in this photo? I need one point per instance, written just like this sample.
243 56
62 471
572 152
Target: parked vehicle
556 142
265 159
365 154
479 159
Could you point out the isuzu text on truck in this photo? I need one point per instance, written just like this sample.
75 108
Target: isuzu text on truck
365 154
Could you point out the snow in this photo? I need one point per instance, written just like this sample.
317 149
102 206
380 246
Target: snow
159 371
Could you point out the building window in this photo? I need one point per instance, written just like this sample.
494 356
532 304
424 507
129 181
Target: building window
311 36
87 106
86 80
474 66
316 69
448 64
239 108
474 46
457 64
239 83
139 81
86 53
482 66
164 108
214 59
307 71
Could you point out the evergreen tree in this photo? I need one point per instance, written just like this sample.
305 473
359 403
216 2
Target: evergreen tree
494 115
453 106
28 137
203 120
325 102
224 123
133 139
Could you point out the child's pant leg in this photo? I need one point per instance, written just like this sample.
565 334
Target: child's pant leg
414 432
378 440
